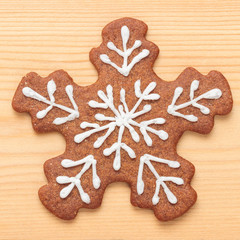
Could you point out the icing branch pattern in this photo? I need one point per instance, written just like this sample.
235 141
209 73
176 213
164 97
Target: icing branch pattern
123 118
76 181
126 68
212 94
160 182
51 88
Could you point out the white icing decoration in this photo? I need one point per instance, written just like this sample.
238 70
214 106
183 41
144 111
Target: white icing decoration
124 118
75 181
126 68
212 94
145 159
51 88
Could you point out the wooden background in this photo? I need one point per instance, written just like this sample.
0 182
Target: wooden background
47 35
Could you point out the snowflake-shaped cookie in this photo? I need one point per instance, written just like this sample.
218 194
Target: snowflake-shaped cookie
119 128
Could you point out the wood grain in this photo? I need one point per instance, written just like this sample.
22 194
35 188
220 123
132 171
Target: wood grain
46 35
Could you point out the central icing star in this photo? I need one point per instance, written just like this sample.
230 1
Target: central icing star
124 118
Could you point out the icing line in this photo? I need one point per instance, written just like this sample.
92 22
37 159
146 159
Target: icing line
51 88
126 68
75 181
124 120
172 108
160 182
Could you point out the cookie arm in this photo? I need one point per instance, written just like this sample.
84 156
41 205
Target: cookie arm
51 101
73 184
197 98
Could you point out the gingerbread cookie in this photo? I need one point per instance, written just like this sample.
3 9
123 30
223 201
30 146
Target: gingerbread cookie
125 127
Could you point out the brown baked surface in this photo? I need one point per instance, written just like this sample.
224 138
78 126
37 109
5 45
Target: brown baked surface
175 126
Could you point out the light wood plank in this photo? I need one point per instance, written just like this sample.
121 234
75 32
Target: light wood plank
46 35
